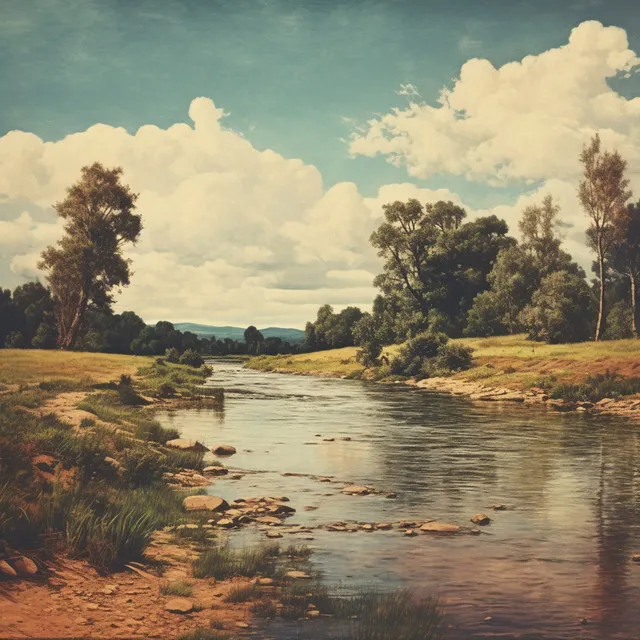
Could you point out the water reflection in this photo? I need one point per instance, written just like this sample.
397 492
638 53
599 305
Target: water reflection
561 553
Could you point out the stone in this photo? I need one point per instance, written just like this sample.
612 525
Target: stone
356 490
278 507
92 606
297 575
205 503
25 566
179 605
384 526
226 523
313 613
216 471
329 439
186 445
367 527
310 507
499 507
270 520
265 582
274 534
410 532
439 527
326 480
481 519
224 450
7 570
635 557
242 625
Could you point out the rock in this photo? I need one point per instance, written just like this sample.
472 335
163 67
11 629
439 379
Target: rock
326 480
274 534
7 570
384 526
224 450
236 476
391 495
204 503
216 471
92 606
25 566
347 439
226 523
179 605
356 490
410 532
297 575
313 613
186 445
281 508
481 519
270 520
440 527
328 439
635 557
265 582
310 507
242 625
499 507
367 527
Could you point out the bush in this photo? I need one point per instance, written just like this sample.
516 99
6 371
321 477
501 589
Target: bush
594 388
412 355
221 562
172 355
191 358
142 466
561 310
449 358
177 588
126 393
166 390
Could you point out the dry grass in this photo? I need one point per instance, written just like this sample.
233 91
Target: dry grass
25 366
511 361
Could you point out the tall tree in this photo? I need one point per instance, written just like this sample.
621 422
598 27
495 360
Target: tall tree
603 194
253 338
625 258
87 264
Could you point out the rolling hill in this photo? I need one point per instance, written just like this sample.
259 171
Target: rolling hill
237 333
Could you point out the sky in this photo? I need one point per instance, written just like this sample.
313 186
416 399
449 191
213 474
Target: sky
264 136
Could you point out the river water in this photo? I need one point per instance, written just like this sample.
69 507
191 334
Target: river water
561 553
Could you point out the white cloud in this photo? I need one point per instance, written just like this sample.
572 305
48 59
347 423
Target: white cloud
229 231
526 120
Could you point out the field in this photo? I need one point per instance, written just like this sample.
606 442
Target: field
511 361
26 366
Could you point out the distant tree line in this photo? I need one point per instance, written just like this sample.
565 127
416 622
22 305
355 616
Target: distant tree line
444 275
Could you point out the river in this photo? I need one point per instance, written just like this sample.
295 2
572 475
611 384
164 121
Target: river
557 562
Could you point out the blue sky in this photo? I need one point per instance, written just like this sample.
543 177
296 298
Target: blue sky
295 76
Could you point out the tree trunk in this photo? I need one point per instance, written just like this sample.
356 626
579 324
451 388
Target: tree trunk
600 325
69 340
634 311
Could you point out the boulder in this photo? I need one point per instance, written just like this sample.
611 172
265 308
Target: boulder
439 527
297 575
205 503
7 570
224 450
25 566
179 605
356 490
274 534
481 518
265 582
186 445
216 471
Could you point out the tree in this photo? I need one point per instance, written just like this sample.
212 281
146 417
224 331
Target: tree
367 337
434 262
625 259
603 194
35 307
87 264
253 338
561 310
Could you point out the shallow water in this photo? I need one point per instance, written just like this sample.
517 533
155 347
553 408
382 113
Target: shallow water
561 553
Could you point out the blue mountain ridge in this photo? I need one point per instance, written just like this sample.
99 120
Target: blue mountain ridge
237 333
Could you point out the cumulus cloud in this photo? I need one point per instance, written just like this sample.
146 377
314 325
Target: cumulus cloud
524 121
229 231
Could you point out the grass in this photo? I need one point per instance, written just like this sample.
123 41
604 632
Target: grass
222 563
510 361
201 633
180 588
241 593
26 366
181 379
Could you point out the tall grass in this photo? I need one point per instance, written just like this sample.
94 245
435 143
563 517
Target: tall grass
595 388
221 562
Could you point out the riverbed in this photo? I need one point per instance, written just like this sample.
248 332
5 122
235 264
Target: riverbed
557 562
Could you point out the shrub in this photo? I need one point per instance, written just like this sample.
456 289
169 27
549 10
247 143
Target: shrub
221 562
172 355
265 609
126 393
191 358
449 358
412 355
166 390
595 388
241 593
142 466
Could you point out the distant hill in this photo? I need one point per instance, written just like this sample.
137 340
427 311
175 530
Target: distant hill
237 333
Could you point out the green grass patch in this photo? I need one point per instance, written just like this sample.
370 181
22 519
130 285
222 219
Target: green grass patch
181 588
594 388
222 562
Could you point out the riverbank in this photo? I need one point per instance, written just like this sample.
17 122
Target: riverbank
505 369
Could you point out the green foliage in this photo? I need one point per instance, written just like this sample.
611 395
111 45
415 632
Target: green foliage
172 355
594 388
87 263
619 322
221 562
332 330
191 359
15 340
561 310
415 352
367 337
142 466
